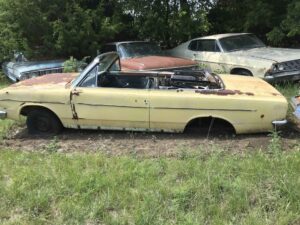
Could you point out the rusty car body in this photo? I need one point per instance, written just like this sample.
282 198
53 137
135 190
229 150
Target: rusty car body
242 53
20 68
104 97
145 55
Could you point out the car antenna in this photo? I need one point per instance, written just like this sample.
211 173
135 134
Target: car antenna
210 126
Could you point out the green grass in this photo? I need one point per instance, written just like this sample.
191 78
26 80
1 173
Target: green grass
288 89
53 188
4 82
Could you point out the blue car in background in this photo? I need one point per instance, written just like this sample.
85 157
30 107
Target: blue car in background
20 68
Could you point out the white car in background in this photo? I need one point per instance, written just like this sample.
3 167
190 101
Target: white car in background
241 53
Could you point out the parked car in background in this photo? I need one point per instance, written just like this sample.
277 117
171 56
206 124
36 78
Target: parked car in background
105 97
242 53
20 68
144 55
296 105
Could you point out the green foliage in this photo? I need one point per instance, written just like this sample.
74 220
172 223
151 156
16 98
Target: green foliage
168 22
61 28
74 65
276 21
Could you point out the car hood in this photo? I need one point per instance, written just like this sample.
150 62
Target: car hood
272 54
155 62
34 65
250 86
46 81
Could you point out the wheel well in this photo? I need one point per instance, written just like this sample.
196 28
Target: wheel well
239 70
25 110
212 124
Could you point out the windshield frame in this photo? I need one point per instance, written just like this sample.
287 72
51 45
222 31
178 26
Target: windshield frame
113 57
259 43
127 53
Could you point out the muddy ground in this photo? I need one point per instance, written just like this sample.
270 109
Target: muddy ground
146 144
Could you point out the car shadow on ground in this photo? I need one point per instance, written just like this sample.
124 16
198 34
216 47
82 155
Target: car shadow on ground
146 144
290 131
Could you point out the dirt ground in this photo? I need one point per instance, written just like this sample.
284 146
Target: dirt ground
146 144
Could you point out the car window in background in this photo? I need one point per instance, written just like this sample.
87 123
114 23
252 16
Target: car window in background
109 48
204 46
138 49
241 42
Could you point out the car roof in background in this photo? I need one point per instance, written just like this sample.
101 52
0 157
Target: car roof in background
127 42
219 36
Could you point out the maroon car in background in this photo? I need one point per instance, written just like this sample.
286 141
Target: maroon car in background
144 55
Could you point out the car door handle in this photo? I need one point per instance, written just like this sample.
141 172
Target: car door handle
76 92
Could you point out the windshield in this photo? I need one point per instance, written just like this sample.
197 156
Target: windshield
138 49
241 42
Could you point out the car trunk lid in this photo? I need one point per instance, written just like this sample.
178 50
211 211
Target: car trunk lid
60 79
251 86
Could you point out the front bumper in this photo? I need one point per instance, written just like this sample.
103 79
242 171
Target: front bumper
283 76
3 114
295 102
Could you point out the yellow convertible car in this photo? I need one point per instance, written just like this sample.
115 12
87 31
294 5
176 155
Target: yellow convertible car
104 97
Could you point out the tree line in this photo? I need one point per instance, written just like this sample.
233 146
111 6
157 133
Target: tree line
60 28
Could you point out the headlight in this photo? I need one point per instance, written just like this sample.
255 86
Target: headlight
280 67
277 68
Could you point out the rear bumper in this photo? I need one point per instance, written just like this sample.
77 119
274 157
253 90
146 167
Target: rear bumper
3 114
283 76
279 123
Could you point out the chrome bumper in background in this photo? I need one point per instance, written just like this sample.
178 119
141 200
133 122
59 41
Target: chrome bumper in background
3 114
283 76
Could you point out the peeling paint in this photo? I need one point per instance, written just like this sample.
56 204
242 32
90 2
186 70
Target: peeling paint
47 79
223 92
73 109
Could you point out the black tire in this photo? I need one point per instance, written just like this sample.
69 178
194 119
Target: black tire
242 72
42 122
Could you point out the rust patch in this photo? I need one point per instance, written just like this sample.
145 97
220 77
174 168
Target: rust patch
47 79
155 62
74 113
275 94
223 92
73 109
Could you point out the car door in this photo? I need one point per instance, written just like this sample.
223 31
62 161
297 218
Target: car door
171 109
108 107
208 54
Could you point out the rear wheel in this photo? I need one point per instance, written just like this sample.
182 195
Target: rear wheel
40 121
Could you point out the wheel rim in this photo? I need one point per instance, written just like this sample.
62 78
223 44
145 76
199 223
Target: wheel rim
42 124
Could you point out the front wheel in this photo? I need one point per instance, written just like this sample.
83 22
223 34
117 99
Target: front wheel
40 121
